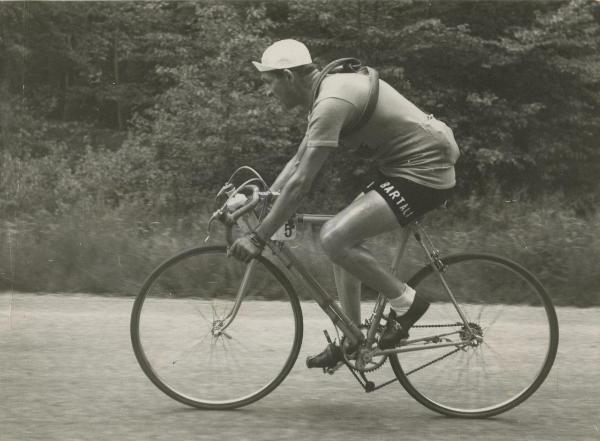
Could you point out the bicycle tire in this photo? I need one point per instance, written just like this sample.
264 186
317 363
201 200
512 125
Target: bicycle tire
174 316
480 282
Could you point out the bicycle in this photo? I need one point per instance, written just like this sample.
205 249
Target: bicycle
214 333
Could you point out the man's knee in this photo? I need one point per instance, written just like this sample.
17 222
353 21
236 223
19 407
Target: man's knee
336 242
332 240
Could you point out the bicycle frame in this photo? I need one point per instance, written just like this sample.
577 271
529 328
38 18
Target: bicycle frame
338 317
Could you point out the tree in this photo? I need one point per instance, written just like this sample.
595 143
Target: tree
518 83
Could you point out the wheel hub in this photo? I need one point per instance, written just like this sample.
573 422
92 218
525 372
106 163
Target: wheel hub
217 328
473 333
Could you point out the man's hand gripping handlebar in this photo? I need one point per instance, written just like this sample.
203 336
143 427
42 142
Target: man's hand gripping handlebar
239 202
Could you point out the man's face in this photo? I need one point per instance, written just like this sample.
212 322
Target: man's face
283 87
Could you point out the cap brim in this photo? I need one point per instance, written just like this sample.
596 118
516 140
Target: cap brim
263 67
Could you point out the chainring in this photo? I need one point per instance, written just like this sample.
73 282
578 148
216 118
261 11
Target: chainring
372 365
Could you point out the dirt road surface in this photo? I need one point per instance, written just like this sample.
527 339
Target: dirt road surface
67 372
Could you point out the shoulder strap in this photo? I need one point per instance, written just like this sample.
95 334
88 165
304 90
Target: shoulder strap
352 65
369 106
343 64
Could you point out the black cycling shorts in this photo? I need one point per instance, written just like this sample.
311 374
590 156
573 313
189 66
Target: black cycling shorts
408 200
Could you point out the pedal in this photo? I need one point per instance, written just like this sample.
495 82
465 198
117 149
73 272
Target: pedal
332 370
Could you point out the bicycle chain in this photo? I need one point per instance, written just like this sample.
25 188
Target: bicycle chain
450 325
372 387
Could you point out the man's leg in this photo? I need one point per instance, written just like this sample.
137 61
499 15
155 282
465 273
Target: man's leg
348 288
342 238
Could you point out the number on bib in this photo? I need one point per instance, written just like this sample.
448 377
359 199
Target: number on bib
286 232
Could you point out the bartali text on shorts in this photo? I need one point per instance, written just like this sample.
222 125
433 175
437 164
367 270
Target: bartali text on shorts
401 202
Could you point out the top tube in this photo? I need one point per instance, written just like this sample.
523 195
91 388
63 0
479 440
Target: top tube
317 219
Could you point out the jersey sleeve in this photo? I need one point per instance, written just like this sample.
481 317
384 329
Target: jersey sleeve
326 121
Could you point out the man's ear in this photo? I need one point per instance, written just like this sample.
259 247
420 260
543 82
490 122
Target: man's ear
288 74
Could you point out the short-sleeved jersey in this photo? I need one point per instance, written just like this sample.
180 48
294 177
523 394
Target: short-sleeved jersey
403 141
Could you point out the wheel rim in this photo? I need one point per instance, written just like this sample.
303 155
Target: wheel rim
514 338
176 330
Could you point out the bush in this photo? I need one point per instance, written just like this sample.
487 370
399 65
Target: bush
111 252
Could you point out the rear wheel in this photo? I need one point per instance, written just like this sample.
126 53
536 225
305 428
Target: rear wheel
512 338
178 337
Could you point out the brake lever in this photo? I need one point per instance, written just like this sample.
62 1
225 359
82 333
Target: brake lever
217 214
223 215
231 218
225 189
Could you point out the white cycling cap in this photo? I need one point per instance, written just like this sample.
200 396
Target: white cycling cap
283 54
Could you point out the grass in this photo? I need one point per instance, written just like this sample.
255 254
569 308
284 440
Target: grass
111 252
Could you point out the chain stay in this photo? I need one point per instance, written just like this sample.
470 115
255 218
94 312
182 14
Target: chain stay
441 357
369 386
432 361
371 389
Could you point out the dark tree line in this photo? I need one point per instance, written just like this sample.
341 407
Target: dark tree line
155 103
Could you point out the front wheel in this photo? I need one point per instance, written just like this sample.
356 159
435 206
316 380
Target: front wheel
512 334
179 336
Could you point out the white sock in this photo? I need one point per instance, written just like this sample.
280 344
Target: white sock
403 302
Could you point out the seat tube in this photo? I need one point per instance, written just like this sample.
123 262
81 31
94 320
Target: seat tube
381 299
377 314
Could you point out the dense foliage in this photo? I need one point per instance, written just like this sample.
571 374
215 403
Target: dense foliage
157 102
119 119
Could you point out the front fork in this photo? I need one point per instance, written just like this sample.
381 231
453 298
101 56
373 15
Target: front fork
221 325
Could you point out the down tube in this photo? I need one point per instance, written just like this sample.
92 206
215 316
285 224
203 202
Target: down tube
318 293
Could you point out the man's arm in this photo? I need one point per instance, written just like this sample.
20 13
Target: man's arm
298 175
285 174
289 168
294 190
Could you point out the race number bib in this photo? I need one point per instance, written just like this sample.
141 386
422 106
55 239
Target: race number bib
286 232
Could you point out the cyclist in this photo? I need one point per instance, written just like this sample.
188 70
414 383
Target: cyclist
415 154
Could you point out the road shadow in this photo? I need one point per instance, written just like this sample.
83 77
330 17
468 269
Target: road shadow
318 409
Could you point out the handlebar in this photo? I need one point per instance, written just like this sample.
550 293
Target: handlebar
231 210
254 200
256 191
228 218
229 213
